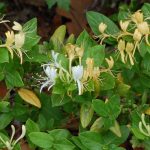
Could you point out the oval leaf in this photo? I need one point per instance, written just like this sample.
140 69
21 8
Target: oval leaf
29 97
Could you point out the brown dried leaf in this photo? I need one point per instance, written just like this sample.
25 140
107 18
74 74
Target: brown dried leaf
29 97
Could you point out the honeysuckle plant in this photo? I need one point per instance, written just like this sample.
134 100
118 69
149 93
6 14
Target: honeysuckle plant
85 92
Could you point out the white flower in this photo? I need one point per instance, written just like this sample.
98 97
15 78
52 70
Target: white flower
55 57
17 26
50 80
77 73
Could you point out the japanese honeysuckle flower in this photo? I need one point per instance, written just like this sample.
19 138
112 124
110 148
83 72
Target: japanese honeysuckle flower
55 57
142 123
121 48
102 27
129 49
79 51
70 49
17 26
77 73
124 25
10 38
96 73
50 80
11 143
137 35
137 17
90 66
110 62
143 28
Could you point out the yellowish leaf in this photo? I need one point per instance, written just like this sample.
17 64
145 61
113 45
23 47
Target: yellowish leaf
29 97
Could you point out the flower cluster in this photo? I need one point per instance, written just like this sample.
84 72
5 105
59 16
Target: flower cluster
11 143
14 40
136 27
79 74
144 128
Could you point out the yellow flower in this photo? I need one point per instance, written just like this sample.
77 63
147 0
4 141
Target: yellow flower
137 35
110 62
121 48
102 27
137 17
10 38
90 66
129 49
143 28
124 25
17 26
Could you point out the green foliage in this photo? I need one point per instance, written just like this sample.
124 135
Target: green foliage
88 96
65 4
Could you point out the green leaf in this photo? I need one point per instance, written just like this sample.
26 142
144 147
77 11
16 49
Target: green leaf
41 139
143 48
4 57
111 138
84 40
4 106
31 37
63 144
96 52
58 37
5 120
146 9
65 4
59 134
58 100
108 81
91 140
51 3
86 114
94 19
31 126
13 79
100 108
97 125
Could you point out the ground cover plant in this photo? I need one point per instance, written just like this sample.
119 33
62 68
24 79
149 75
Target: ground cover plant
89 92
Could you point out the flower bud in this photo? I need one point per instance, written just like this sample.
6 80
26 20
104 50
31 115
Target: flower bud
143 28
10 38
96 72
121 45
137 35
90 66
124 25
70 48
102 27
129 47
